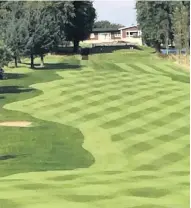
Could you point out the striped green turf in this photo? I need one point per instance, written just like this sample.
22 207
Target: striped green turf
134 114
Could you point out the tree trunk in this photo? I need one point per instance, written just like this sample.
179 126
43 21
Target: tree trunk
32 61
172 42
41 60
19 60
167 48
15 58
179 59
76 46
157 47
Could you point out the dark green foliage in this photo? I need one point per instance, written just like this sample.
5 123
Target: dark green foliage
161 22
181 25
80 26
5 55
13 27
46 22
42 27
106 24
154 18
35 28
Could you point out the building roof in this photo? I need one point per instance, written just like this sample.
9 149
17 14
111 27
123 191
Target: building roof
105 30
122 28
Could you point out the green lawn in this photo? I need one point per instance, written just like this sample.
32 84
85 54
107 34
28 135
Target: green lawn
109 132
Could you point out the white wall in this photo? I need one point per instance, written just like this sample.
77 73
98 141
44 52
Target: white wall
133 40
104 36
137 41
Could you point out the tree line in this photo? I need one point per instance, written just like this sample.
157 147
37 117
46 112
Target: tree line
33 28
165 22
107 24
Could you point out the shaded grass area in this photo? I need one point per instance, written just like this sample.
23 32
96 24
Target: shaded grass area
46 145
56 66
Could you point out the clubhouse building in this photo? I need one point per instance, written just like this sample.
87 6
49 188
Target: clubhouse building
106 35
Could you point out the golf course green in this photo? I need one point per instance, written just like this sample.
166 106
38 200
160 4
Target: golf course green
110 132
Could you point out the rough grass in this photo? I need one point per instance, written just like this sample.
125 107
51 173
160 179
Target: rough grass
115 130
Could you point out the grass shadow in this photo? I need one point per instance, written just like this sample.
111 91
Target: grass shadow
7 157
147 192
181 78
149 206
65 178
111 49
34 186
99 48
14 76
87 198
14 89
62 66
11 156
57 66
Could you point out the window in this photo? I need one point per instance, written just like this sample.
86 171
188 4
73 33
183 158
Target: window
92 35
105 35
132 34
117 34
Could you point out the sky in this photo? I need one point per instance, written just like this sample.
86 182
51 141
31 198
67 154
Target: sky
118 11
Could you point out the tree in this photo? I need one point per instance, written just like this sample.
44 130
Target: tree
42 29
185 12
106 24
34 42
181 27
15 30
80 26
33 28
154 18
46 26
5 55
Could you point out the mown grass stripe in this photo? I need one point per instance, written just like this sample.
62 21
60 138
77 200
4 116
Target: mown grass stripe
159 158
151 116
147 68
138 69
178 69
168 70
126 67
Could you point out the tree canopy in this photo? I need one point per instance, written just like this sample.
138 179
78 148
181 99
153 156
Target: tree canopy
107 24
34 28
15 31
80 25
158 20
5 55
154 18
181 25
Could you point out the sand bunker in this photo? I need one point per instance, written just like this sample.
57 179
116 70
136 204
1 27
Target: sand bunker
16 123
